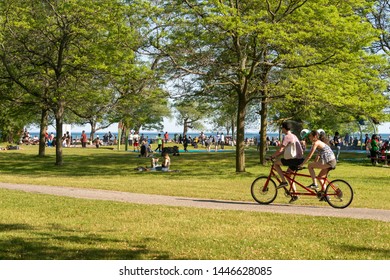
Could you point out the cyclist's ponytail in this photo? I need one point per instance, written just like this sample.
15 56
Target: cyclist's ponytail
321 136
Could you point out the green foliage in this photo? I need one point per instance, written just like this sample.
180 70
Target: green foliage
11 123
191 113
328 95
250 48
58 52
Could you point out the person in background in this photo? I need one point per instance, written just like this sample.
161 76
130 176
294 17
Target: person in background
67 139
366 140
130 139
258 144
84 139
337 143
51 141
97 142
374 149
166 162
185 143
159 143
136 145
63 140
144 149
346 139
222 141
208 142
136 141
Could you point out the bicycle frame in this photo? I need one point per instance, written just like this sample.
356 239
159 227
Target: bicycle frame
291 178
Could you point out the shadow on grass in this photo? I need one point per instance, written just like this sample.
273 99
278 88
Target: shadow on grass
76 246
379 253
14 227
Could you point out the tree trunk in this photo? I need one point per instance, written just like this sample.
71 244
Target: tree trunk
263 128
185 128
126 132
118 142
59 122
361 136
93 131
233 128
42 132
240 148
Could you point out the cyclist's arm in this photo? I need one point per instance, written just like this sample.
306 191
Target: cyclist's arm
278 153
313 149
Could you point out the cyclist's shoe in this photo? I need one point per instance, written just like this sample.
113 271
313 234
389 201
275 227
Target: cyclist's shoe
313 187
282 185
293 199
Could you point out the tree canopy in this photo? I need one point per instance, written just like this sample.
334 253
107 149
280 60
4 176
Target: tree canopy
58 53
265 51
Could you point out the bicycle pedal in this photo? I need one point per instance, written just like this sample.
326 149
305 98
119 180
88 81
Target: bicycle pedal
320 195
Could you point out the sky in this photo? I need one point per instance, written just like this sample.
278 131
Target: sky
384 128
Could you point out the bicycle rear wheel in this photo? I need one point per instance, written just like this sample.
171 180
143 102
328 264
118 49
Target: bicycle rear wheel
264 190
338 194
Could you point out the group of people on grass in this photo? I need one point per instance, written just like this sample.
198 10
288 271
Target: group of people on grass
155 166
209 142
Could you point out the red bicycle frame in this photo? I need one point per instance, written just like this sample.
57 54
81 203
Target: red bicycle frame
291 177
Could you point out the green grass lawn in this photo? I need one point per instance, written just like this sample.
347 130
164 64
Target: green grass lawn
34 226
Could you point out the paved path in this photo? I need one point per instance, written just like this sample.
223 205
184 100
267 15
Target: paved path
356 213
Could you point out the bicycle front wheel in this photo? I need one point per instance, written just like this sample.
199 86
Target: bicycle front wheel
264 190
339 194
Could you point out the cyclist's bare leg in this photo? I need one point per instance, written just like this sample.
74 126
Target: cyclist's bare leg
310 167
289 171
294 187
278 166
322 175
324 172
317 165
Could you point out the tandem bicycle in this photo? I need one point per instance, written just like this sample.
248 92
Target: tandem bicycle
337 193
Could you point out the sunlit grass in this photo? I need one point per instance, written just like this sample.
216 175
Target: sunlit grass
202 174
36 226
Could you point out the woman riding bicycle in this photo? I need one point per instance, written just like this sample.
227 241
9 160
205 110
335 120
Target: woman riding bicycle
325 160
